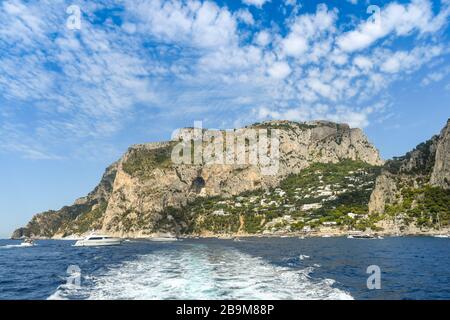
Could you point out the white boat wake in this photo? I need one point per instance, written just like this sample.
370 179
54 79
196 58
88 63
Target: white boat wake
203 273
22 245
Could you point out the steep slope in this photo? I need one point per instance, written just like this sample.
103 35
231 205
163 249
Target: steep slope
413 191
136 192
322 197
441 170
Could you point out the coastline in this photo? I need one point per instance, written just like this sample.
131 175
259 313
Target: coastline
314 234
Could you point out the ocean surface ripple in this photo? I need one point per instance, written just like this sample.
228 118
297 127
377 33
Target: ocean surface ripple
254 268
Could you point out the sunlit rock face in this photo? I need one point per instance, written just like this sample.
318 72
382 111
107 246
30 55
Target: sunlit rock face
441 170
144 182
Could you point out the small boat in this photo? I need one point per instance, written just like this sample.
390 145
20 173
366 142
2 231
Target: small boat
27 243
326 236
441 236
98 240
362 236
163 239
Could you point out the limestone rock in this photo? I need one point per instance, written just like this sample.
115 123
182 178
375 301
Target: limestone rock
144 182
441 170
427 164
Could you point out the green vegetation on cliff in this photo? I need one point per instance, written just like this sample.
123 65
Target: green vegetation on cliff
288 125
419 161
86 221
141 162
426 206
48 223
412 199
321 195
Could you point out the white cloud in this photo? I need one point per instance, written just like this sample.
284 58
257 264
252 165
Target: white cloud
363 63
256 3
320 88
290 2
314 25
279 70
263 38
84 88
394 18
408 61
294 45
309 38
203 24
245 16
435 76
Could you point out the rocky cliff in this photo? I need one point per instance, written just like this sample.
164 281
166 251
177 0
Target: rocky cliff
145 192
440 175
412 191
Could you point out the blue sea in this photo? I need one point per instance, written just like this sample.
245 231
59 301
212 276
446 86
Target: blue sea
253 268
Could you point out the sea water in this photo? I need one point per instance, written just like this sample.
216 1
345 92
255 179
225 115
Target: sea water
253 268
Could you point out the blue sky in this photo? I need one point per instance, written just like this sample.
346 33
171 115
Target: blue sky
72 101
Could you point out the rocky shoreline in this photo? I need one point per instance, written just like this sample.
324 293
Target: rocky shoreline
315 234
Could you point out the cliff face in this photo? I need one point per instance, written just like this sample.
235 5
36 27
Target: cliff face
415 187
136 192
412 169
441 170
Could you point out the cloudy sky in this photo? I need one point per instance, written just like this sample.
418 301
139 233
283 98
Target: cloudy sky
73 99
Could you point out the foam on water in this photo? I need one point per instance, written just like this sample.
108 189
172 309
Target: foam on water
202 273
11 246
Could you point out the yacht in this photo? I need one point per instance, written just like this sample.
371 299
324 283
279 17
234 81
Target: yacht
363 236
27 243
94 240
165 237
360 235
441 236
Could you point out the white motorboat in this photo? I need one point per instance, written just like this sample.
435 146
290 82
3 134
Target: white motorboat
94 240
164 239
361 236
441 236
27 243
